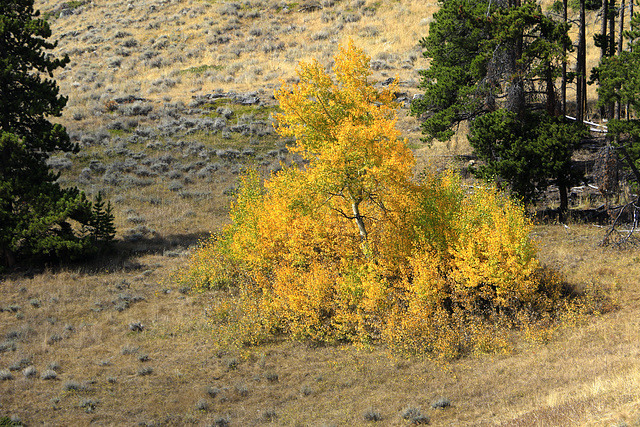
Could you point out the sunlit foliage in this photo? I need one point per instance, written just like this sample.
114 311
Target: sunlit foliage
353 248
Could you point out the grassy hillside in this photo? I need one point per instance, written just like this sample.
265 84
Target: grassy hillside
169 100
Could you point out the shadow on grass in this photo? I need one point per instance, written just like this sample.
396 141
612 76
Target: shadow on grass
119 255
598 216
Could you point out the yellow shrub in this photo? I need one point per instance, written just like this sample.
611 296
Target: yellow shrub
493 259
351 249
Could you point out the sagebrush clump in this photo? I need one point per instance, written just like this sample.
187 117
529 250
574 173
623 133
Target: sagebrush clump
353 248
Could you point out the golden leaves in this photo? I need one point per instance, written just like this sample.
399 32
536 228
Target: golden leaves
351 248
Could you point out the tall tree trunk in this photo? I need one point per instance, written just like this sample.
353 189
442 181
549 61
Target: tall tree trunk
551 106
563 89
630 48
630 14
612 44
620 41
612 27
604 45
564 201
621 26
603 29
581 66
9 258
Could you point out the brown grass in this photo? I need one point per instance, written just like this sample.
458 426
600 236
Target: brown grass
242 63
587 375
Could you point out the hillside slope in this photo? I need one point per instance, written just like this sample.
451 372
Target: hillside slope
172 50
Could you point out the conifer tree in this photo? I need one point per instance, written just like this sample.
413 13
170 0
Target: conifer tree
35 212
494 65
619 83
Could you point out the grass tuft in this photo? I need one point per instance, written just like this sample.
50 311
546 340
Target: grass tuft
89 405
372 415
202 405
129 349
414 416
70 386
212 391
30 372
49 374
144 371
269 415
272 377
5 375
441 403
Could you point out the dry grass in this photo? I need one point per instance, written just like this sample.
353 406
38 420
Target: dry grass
175 50
82 322
178 364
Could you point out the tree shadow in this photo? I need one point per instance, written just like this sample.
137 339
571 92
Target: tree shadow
119 255
598 216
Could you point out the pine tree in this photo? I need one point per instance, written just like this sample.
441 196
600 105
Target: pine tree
35 212
494 66
619 83
101 224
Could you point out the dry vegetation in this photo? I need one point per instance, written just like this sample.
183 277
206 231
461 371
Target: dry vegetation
84 324
117 342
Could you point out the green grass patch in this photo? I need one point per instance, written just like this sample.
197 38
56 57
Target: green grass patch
201 69
289 6
259 112
237 141
73 4
6 421
70 5
119 132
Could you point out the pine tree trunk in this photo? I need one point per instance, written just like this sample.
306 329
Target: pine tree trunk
603 28
620 41
563 89
621 26
9 258
630 48
612 28
581 66
612 43
603 46
564 201
551 94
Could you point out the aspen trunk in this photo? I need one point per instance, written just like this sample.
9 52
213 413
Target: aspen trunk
362 229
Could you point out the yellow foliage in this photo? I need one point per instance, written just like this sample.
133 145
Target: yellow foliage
346 130
494 258
351 249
